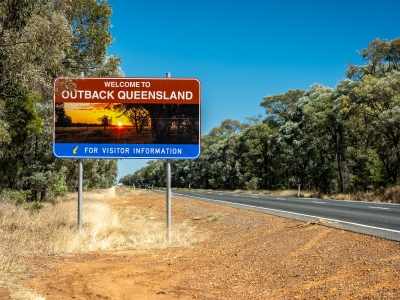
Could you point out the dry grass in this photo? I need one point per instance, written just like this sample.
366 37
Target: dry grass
26 295
283 193
53 231
389 195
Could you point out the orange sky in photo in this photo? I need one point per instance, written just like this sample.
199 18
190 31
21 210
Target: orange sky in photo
91 112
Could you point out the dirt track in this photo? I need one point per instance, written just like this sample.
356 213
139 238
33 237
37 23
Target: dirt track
246 255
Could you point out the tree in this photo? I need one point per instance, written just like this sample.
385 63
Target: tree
255 157
61 118
39 41
325 134
227 128
381 57
105 121
136 114
373 108
331 140
280 108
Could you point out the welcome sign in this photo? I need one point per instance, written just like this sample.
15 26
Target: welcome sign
127 118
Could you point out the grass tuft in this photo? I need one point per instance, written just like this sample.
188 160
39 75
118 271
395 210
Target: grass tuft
26 295
214 217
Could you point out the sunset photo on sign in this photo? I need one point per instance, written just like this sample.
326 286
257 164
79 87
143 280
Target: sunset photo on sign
89 113
119 123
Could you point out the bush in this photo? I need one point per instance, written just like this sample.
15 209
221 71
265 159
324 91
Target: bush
252 184
60 188
16 197
34 206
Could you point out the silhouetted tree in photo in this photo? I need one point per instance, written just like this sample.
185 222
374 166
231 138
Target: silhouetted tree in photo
62 119
162 117
105 121
139 117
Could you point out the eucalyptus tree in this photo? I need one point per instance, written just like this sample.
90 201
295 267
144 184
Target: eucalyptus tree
223 131
99 173
280 108
283 115
360 149
326 134
183 173
220 164
257 159
372 109
158 173
218 157
381 57
370 106
39 41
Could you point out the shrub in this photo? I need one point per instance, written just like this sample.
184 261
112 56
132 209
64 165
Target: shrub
215 217
17 197
34 206
60 188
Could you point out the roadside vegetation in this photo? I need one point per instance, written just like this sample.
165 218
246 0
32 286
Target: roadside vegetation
388 195
334 141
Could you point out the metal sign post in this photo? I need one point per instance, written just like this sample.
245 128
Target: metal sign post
169 199
168 75
80 178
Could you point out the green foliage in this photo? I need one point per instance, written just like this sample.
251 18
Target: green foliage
34 206
381 57
60 188
39 41
280 108
332 140
214 217
16 197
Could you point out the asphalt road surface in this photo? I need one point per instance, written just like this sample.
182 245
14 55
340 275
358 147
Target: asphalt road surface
372 218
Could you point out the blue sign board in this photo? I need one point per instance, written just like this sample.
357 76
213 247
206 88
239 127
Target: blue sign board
151 118
155 151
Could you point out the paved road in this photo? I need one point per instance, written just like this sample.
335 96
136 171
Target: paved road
377 219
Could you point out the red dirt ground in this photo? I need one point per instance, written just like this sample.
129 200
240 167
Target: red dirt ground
246 255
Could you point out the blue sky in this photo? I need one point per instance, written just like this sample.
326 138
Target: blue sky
242 51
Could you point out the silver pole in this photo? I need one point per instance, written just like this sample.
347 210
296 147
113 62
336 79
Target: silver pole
298 191
169 198
80 194
168 75
80 179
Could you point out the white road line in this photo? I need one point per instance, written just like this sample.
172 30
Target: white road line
254 197
298 214
319 202
235 195
221 194
377 207
281 199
